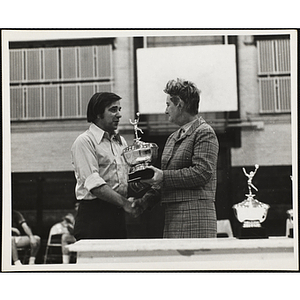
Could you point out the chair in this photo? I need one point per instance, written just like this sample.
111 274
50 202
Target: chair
289 228
224 228
289 223
53 248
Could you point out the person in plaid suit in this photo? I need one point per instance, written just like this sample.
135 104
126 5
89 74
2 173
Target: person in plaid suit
186 182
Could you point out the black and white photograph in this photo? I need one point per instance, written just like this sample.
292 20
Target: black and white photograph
149 150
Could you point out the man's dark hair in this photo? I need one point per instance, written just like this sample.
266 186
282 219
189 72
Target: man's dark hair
98 103
186 91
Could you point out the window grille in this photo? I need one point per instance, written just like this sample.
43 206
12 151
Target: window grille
274 75
87 62
57 82
17 104
69 63
69 100
51 64
51 102
103 59
16 64
33 65
86 90
104 87
34 102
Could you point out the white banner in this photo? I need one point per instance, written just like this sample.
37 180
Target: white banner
211 68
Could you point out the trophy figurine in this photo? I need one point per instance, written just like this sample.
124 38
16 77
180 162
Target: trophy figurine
139 155
251 212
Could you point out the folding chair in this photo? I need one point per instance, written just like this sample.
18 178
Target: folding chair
289 224
53 249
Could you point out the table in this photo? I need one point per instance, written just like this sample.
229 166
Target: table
274 253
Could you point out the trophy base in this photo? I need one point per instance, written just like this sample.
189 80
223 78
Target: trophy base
137 189
141 174
252 233
291 233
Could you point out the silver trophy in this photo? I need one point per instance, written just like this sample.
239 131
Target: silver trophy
251 212
140 155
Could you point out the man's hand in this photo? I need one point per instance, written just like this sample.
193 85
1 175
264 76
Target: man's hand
157 177
130 207
140 204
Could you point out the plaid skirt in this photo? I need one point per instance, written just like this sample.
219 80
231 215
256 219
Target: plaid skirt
190 219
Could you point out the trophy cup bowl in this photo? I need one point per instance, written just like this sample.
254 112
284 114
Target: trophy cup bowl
139 156
251 212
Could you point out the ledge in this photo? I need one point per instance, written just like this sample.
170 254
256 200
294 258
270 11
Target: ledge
274 253
180 244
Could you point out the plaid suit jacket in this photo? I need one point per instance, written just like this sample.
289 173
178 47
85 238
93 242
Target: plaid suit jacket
189 164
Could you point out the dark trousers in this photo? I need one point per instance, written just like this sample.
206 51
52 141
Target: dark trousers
98 219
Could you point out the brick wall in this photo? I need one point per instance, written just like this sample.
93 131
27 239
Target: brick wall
44 151
271 146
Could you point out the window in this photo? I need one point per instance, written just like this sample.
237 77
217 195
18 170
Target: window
274 75
57 82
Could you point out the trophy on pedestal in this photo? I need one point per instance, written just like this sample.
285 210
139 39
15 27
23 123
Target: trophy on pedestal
139 155
251 212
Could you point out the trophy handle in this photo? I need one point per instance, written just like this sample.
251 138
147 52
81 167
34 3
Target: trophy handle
266 207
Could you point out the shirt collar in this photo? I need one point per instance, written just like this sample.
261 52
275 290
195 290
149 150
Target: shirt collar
187 126
99 134
117 137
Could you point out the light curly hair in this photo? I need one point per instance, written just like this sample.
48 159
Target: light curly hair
185 90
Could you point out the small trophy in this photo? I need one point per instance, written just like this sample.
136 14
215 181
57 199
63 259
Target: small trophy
251 212
139 155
